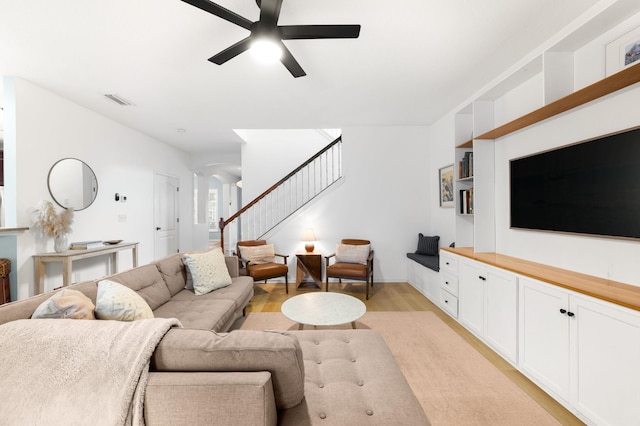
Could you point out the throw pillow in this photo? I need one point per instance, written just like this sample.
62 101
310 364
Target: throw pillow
348 253
118 302
258 254
66 303
427 245
208 270
189 280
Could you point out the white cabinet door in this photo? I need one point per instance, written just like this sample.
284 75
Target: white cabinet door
605 361
471 298
501 313
544 335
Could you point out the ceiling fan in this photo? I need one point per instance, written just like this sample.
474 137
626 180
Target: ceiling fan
267 28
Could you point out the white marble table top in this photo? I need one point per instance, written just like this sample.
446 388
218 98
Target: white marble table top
323 308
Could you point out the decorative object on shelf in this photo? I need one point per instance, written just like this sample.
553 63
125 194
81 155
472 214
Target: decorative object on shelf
112 242
445 179
623 52
84 245
52 224
310 237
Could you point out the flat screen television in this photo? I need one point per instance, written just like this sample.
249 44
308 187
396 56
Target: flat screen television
590 188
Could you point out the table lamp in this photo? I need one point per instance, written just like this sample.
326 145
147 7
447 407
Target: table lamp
309 237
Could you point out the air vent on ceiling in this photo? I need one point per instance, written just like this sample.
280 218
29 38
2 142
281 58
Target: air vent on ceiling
118 99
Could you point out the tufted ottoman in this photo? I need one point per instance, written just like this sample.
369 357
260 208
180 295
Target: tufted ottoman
351 378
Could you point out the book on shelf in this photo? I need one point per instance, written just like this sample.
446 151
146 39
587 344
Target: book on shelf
465 166
466 201
83 245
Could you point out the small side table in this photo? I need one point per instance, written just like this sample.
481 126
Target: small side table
309 265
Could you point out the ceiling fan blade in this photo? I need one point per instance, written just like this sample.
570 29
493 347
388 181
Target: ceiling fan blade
297 32
221 12
231 52
270 11
290 62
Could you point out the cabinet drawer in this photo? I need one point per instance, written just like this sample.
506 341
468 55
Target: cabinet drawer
448 263
449 283
449 302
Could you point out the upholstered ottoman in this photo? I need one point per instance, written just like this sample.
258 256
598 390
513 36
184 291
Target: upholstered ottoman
351 378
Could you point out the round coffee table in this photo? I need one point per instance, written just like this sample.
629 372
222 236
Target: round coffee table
323 308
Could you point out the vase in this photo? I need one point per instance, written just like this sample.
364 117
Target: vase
61 243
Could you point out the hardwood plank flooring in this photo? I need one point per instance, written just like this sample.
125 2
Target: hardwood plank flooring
403 297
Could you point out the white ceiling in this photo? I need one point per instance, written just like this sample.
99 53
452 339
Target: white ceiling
415 60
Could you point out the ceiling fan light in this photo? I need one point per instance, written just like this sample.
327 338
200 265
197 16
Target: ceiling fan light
266 50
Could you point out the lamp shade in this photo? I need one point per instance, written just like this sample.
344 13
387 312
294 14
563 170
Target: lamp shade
309 236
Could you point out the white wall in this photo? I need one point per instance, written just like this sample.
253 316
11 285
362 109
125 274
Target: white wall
603 257
442 153
384 197
269 155
49 128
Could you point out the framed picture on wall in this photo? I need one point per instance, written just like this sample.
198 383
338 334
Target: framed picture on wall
623 52
445 182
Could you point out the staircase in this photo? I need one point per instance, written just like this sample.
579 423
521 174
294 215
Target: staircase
288 195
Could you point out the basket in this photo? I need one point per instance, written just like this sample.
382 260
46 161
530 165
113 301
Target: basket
5 267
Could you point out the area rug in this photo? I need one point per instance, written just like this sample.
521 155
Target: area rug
454 383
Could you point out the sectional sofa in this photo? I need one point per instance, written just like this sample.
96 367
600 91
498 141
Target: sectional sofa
202 374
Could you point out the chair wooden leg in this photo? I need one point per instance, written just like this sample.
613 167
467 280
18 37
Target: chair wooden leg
366 286
326 285
286 284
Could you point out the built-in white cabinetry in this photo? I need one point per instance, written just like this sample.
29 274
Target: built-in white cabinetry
448 291
488 306
585 352
423 279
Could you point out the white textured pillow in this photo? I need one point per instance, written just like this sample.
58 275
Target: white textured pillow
118 302
189 280
258 254
347 253
208 270
66 303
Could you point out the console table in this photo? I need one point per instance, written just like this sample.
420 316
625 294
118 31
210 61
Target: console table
67 258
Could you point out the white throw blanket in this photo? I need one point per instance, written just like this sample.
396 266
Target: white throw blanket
76 372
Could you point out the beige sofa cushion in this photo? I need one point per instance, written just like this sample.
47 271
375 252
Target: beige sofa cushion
213 314
240 291
202 350
173 272
147 282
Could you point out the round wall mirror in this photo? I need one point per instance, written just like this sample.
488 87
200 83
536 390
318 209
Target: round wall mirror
72 184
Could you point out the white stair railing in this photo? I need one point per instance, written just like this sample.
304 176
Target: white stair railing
289 194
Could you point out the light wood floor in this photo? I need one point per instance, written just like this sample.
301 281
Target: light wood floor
403 297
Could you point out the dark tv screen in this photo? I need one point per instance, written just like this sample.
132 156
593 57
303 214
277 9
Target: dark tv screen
588 188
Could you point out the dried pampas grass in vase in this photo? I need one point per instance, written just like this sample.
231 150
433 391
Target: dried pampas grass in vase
50 223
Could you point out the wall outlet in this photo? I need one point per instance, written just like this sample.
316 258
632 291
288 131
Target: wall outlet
122 218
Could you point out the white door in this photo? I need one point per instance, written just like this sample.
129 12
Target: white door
604 361
166 219
501 313
471 297
544 335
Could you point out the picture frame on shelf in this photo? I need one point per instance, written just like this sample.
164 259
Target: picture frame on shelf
445 185
623 52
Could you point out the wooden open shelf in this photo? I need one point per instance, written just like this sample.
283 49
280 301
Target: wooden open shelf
467 144
604 87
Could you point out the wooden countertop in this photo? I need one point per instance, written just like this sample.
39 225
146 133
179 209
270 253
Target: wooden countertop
612 291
